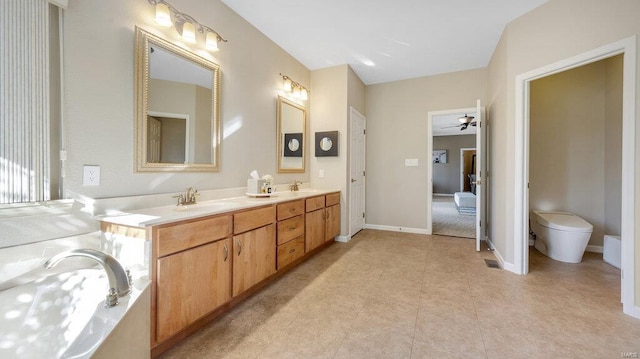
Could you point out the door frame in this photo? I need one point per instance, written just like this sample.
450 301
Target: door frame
627 47
430 116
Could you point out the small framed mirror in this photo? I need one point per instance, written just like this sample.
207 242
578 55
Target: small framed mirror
176 124
291 119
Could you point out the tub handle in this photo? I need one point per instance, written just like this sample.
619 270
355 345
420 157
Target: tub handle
112 298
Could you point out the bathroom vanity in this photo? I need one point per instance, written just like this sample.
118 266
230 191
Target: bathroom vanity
208 257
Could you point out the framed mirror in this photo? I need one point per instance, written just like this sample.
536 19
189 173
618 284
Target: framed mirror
176 122
291 118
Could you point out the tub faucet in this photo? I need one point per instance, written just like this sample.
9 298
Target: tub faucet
119 278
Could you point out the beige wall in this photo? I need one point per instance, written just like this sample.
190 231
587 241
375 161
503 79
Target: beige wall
99 95
575 153
397 130
446 176
555 31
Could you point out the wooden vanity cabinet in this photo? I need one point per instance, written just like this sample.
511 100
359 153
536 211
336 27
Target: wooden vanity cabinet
192 272
332 210
254 247
322 220
290 237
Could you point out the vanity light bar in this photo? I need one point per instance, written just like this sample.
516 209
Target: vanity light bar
185 25
291 86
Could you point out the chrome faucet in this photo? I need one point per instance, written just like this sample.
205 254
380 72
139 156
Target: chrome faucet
295 186
119 278
189 196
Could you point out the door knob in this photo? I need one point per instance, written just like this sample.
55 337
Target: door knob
353 180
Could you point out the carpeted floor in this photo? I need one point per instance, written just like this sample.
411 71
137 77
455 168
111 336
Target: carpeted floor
448 222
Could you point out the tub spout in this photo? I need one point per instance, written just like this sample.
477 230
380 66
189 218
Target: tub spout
118 277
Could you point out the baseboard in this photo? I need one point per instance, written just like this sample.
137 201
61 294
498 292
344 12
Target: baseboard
503 264
443 195
595 249
395 229
342 239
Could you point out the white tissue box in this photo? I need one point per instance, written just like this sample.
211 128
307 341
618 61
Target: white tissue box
255 185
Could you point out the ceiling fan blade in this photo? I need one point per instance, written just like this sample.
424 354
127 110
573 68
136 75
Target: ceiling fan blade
474 123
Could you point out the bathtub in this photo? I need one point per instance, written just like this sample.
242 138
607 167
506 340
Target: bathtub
60 313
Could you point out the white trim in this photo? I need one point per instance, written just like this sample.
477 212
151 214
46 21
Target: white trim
342 239
627 47
595 249
503 264
395 229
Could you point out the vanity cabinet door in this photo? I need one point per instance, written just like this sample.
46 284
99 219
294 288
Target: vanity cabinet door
314 229
332 222
254 257
191 284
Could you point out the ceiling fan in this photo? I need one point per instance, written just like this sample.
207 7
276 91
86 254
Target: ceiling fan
465 121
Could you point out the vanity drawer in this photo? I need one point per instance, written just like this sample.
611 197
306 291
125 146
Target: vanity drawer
290 229
290 209
176 238
332 199
290 251
248 220
315 203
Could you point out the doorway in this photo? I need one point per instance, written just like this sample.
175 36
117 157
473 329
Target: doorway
450 210
627 47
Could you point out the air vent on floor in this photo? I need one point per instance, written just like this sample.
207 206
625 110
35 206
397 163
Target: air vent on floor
492 263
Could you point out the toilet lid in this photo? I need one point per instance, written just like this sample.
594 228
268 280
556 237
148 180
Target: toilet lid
563 222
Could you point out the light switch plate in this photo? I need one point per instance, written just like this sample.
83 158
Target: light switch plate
321 173
411 162
91 176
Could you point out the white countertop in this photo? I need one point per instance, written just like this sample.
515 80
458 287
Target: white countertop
167 214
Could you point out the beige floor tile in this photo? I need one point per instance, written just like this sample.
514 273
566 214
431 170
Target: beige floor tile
401 295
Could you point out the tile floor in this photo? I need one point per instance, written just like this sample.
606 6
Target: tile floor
398 295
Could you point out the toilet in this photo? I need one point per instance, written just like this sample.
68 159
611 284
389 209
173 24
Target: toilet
560 235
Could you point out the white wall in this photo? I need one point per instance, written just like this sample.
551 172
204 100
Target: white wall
99 95
397 130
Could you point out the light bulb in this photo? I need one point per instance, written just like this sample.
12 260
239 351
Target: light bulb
189 32
304 94
163 15
211 42
286 86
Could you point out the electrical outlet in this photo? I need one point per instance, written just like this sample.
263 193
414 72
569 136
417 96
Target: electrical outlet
321 173
91 176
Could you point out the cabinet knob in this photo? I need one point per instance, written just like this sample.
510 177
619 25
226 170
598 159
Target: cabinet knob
239 247
226 252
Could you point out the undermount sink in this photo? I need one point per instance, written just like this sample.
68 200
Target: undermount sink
205 206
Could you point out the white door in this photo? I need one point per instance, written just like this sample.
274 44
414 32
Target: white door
357 152
481 174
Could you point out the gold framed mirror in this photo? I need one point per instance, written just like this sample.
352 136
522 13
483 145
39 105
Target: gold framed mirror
176 119
291 119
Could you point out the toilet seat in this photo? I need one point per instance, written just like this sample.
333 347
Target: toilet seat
562 221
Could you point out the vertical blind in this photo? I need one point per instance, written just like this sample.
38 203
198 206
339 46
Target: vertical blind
24 101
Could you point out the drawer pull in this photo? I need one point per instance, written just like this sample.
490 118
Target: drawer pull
292 228
239 247
292 250
226 252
